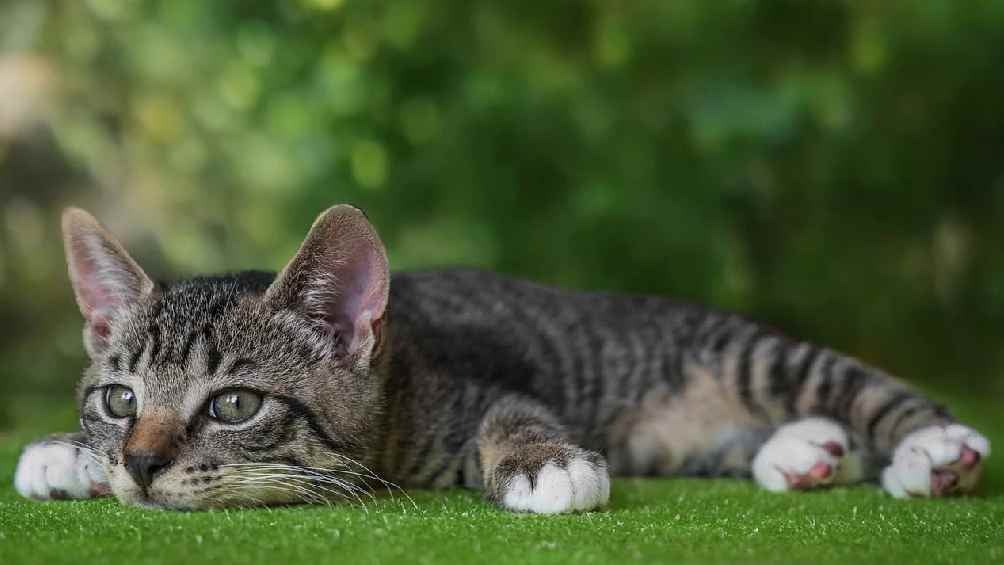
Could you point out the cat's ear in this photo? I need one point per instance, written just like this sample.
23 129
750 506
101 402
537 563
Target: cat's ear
339 279
105 278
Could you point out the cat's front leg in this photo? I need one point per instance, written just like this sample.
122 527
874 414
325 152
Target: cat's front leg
60 467
529 465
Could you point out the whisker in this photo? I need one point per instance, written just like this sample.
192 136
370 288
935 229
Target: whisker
254 473
306 474
305 495
285 480
371 475
95 456
368 475
232 493
312 475
77 445
374 476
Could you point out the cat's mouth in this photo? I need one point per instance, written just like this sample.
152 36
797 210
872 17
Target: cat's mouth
188 498
167 496
183 486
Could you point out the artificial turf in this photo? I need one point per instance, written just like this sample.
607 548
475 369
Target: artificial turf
648 520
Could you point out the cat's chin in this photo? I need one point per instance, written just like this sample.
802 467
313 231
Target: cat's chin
138 500
153 505
158 501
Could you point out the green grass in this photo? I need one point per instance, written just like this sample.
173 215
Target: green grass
678 520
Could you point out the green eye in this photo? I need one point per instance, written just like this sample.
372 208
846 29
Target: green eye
120 401
234 406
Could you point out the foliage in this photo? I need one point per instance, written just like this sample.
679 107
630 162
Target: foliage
831 167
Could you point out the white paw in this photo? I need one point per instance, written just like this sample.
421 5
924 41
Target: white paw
580 486
54 470
936 461
805 454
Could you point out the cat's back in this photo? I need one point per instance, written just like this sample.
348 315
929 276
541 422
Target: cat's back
472 296
510 331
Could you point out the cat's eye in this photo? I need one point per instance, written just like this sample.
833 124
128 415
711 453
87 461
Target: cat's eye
120 401
234 406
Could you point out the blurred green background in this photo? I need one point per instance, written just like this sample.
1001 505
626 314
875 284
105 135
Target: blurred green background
833 168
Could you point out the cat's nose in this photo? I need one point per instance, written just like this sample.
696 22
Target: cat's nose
153 444
144 466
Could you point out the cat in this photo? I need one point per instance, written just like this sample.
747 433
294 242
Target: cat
333 377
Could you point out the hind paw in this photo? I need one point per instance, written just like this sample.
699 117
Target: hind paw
936 461
806 454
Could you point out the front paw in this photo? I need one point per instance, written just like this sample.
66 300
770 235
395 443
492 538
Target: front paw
57 470
550 479
936 461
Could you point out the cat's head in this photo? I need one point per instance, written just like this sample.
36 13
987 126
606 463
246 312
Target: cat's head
239 389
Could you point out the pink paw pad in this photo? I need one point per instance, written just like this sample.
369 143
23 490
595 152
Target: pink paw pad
943 481
969 457
817 474
100 489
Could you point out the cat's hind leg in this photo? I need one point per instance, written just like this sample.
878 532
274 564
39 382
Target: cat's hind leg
60 467
814 452
529 465
936 461
914 443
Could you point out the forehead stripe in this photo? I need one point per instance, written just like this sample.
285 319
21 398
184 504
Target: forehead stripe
154 333
213 357
134 358
186 348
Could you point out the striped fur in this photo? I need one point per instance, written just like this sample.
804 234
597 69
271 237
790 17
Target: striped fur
458 377
656 386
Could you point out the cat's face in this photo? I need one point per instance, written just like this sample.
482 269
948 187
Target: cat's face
234 390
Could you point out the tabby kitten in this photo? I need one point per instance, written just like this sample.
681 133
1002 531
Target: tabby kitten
321 382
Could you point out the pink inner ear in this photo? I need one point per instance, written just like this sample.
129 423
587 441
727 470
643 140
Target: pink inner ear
99 326
360 300
104 279
365 296
351 298
97 296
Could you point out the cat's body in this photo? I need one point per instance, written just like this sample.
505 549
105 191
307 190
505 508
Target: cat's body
657 387
612 368
337 374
